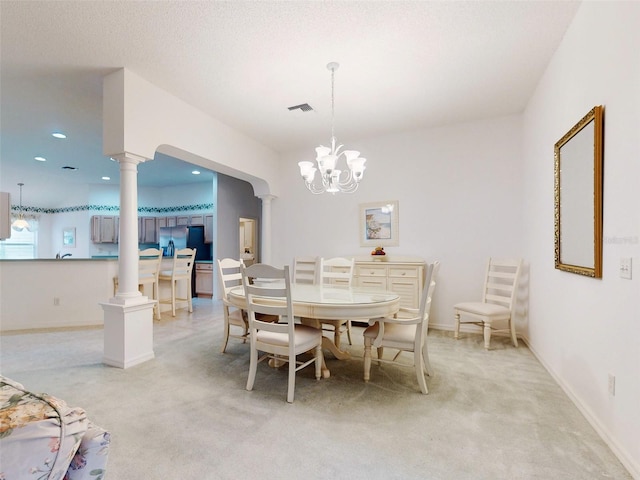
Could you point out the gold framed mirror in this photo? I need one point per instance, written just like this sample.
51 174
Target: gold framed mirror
578 196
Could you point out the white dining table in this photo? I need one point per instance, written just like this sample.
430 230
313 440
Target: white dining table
318 304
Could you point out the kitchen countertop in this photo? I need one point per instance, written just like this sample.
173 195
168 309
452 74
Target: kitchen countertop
67 259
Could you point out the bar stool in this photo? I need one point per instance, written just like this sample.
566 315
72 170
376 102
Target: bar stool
183 261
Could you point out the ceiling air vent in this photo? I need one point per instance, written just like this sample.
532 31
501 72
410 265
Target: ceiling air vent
305 107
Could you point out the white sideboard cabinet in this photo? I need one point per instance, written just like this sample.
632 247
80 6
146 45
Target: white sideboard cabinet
402 275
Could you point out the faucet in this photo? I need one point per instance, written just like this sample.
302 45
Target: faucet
66 255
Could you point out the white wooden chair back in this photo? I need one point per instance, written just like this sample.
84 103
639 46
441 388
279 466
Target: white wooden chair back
183 261
149 261
305 270
501 282
229 274
269 298
425 303
337 271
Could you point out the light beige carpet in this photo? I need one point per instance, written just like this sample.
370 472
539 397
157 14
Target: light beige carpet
186 414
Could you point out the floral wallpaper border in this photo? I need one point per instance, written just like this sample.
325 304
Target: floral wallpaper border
114 209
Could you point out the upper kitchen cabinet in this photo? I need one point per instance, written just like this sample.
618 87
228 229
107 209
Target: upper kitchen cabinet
208 229
104 229
148 232
182 220
167 222
195 220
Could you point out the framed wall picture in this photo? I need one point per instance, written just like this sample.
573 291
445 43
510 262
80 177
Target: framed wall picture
379 224
69 237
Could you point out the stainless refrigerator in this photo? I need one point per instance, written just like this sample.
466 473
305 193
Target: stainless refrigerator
172 239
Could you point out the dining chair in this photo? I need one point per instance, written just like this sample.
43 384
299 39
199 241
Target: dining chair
282 341
183 260
498 302
305 270
231 276
149 261
338 271
407 333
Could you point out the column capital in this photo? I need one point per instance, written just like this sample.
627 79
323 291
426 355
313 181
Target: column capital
127 157
267 198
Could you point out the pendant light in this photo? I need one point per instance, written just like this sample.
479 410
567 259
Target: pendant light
20 223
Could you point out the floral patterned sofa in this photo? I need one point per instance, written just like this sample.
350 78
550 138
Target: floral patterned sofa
42 438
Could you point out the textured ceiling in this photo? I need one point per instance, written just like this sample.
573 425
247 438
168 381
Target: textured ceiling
403 65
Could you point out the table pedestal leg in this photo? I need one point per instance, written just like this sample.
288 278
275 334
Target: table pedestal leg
327 343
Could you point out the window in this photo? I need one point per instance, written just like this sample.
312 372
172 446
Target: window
21 245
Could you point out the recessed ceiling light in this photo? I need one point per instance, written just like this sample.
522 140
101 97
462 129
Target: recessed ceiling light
196 172
59 135
106 178
40 159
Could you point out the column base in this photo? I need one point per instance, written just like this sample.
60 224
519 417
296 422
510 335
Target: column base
128 334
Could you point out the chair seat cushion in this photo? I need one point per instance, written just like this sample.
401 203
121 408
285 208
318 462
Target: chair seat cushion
305 336
393 332
483 309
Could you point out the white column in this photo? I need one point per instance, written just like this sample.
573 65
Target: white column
265 256
128 317
128 293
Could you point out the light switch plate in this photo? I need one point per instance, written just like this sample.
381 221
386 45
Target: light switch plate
625 268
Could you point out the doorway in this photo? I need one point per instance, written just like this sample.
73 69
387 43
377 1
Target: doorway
248 240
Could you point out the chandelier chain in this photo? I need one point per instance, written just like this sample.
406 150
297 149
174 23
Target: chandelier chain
333 72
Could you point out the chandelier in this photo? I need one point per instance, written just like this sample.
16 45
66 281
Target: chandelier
333 180
20 223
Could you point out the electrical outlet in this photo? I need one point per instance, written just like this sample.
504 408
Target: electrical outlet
625 268
612 385
56 301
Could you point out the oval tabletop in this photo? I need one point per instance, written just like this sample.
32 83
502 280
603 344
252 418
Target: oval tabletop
334 302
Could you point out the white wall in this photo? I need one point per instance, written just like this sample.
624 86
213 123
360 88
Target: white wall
459 189
584 329
30 289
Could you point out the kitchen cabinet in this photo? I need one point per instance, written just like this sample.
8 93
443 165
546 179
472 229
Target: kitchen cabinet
104 229
208 229
182 221
196 220
204 279
404 276
147 230
164 222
